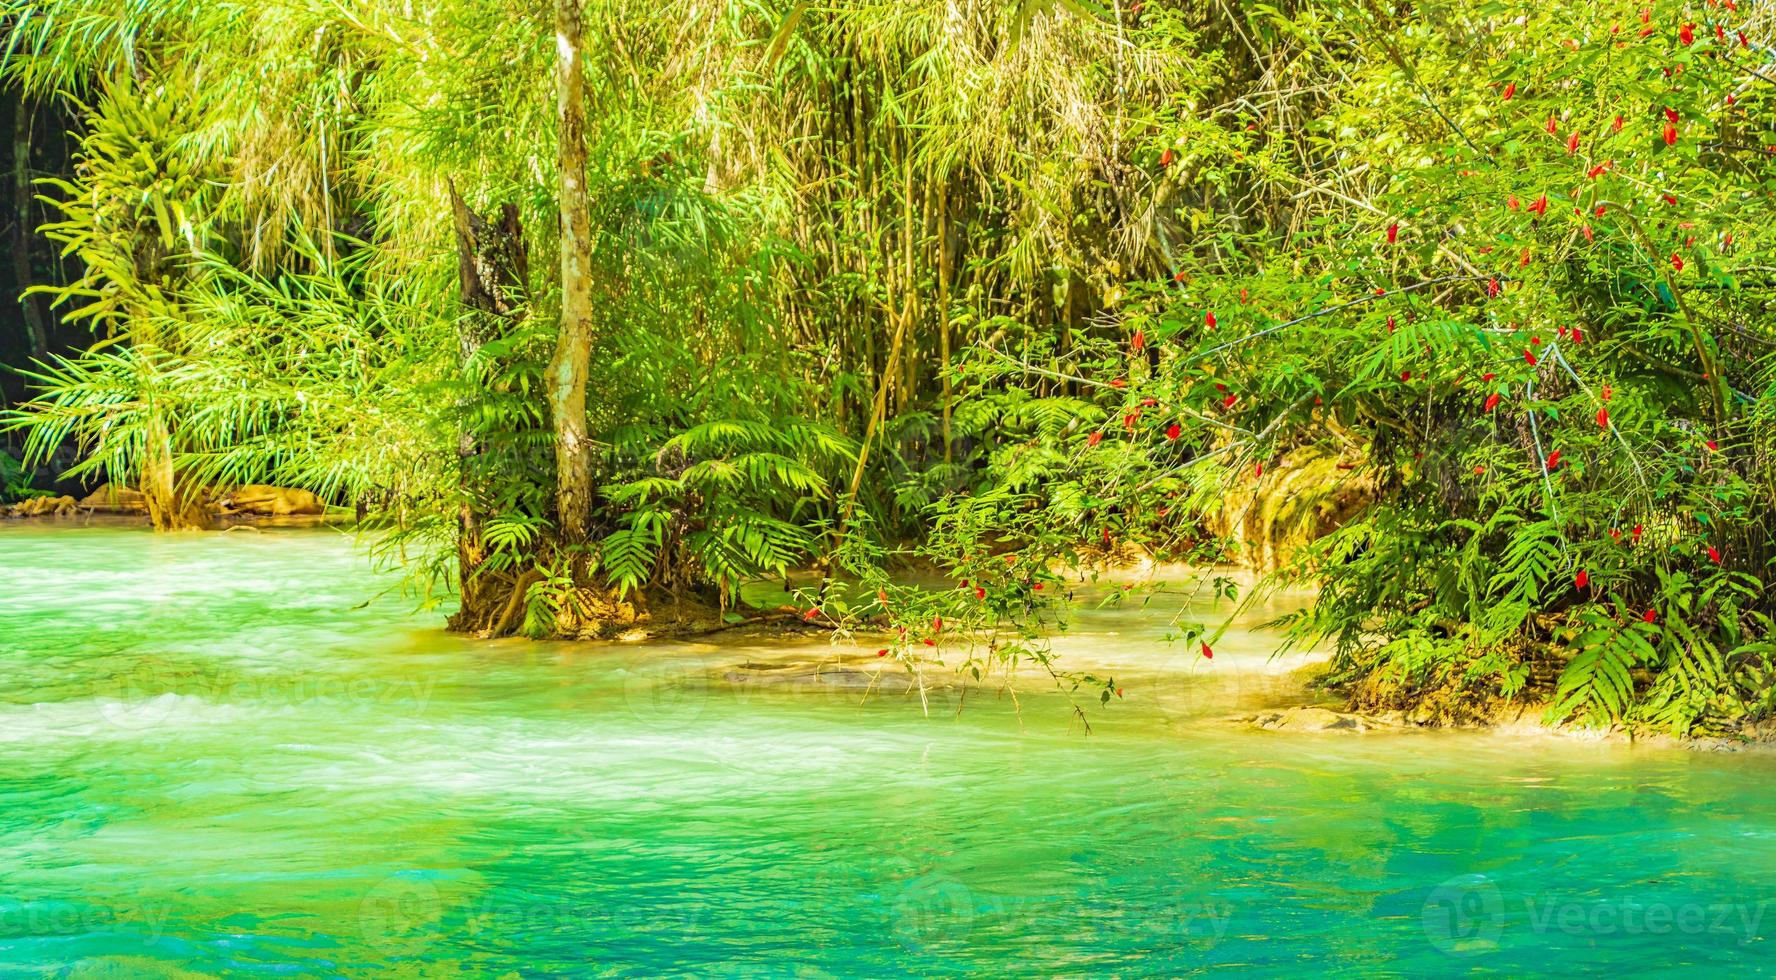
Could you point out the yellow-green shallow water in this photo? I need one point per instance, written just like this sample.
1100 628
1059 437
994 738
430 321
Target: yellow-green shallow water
215 759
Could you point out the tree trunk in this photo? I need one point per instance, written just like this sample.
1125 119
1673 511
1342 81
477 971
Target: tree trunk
493 267
171 506
21 231
569 367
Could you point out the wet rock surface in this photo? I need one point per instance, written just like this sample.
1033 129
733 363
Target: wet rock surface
820 675
1315 719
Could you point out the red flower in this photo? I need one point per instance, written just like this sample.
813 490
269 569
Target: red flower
1553 460
1553 125
1540 207
1511 202
1586 231
1671 115
1094 438
1119 383
1165 159
1598 170
1603 418
1208 653
1572 144
1713 554
980 593
1492 402
1173 431
1712 446
1530 357
1581 580
1390 324
1687 34
881 653
811 614
1637 530
1510 90
1258 471
1616 126
1651 614
1393 233
1139 341
1179 277
930 642
1670 135
937 624
1209 319
1607 392
1492 287
1523 260
1405 375
1229 400
1677 261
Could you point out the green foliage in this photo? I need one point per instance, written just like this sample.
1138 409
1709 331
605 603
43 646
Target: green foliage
15 480
1476 294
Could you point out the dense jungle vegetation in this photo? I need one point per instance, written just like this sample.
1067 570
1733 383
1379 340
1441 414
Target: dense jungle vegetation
1460 312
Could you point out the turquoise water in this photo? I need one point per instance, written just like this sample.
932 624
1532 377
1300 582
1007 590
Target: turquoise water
217 760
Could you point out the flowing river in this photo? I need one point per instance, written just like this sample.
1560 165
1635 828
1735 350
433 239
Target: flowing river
238 755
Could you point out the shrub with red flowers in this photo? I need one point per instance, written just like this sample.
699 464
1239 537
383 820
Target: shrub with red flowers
1529 291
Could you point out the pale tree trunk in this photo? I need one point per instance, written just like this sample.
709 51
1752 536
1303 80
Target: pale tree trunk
573 347
21 232
171 507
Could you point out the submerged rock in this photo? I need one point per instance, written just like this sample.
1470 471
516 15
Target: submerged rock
1311 719
817 675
